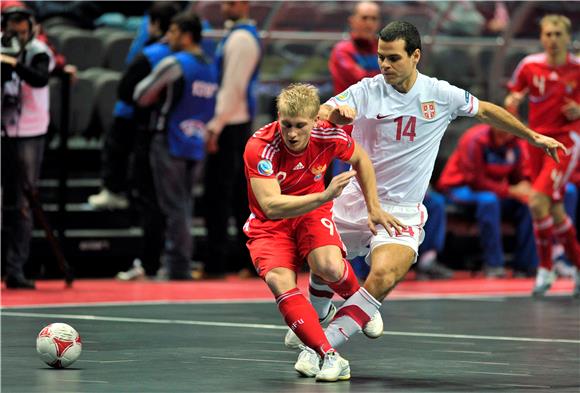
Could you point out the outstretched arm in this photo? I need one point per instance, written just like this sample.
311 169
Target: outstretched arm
499 118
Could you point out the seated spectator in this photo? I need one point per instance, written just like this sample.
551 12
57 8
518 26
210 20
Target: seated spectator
488 171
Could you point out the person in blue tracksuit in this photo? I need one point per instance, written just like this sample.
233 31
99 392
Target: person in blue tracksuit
183 88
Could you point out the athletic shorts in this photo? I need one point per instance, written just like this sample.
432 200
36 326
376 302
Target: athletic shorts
288 242
550 177
350 216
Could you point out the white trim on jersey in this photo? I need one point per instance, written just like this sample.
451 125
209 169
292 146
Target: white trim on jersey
334 133
271 148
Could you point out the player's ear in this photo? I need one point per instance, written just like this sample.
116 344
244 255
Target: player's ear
416 55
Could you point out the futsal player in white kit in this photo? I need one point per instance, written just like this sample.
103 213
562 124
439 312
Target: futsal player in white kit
399 118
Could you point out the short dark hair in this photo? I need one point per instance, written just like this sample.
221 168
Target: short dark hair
188 22
402 30
163 12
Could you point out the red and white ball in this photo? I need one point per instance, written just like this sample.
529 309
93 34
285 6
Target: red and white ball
59 345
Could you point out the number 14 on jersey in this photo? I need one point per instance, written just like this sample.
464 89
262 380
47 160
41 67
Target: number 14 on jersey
406 127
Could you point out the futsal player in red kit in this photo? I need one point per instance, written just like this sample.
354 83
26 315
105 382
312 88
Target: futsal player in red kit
291 216
551 79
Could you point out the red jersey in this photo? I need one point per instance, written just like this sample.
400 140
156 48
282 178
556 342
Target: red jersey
482 165
266 156
548 87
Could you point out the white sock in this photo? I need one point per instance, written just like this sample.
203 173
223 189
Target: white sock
356 311
320 296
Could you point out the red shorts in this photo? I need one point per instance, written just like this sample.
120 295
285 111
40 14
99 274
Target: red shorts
550 177
287 243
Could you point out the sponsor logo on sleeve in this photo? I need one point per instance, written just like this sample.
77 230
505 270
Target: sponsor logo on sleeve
466 97
265 168
343 96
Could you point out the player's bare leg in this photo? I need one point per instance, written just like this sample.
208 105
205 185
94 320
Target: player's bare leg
540 206
389 264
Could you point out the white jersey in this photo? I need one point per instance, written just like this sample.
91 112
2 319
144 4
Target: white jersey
401 132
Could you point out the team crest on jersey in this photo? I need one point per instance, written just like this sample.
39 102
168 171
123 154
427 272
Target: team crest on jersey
428 109
569 87
343 96
265 167
318 171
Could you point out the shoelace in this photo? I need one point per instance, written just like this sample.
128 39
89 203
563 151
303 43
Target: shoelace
330 359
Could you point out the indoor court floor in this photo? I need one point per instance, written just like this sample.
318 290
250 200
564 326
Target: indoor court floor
462 335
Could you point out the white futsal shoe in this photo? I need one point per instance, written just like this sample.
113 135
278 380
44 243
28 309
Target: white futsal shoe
292 341
334 368
308 363
374 327
544 280
108 200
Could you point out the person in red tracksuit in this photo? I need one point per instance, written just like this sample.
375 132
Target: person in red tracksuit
488 172
551 79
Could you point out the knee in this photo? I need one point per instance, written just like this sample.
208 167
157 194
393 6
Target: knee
489 200
383 279
329 269
539 205
559 213
279 281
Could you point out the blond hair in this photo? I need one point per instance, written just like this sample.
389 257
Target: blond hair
297 100
556 19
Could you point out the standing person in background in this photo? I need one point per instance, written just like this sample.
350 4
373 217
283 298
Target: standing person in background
120 138
25 119
356 57
237 59
552 81
130 136
184 85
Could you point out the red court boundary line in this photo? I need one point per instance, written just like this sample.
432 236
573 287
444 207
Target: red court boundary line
108 291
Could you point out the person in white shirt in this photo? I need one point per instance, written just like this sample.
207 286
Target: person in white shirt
237 59
399 118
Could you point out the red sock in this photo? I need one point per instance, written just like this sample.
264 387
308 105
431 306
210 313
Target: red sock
303 320
544 232
348 283
566 235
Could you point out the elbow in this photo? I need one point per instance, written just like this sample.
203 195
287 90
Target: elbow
271 213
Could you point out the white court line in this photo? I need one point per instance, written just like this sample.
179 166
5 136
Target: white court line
491 373
271 327
475 362
515 385
108 361
452 351
79 380
249 360
400 297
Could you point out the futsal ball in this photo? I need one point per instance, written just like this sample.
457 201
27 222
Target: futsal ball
58 345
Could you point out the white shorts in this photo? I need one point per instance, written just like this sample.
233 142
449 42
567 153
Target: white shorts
350 216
